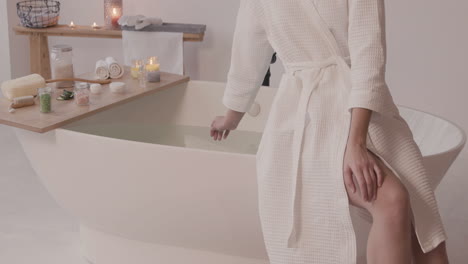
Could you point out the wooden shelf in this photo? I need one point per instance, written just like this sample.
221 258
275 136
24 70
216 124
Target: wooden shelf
64 112
87 32
39 43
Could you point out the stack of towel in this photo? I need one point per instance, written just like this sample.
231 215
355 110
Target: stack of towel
108 68
139 21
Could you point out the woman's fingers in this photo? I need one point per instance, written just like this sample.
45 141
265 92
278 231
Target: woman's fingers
374 182
348 179
361 182
380 176
226 133
369 183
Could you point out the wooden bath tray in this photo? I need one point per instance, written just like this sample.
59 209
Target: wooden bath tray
65 112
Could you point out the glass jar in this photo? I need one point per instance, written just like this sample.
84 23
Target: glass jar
82 93
45 99
62 65
152 70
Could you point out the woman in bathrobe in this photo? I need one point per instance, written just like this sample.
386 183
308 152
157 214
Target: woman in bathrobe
333 137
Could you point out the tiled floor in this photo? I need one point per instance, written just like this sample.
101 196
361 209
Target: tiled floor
34 229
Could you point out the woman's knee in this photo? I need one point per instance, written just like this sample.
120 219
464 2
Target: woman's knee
393 200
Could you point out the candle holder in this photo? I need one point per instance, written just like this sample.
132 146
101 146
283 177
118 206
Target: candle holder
152 70
137 64
113 10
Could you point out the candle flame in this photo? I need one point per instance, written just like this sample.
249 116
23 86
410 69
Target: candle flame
72 24
95 25
114 11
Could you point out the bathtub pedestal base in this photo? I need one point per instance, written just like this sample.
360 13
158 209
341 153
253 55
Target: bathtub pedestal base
102 248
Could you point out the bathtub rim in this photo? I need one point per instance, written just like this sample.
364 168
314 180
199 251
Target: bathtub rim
458 147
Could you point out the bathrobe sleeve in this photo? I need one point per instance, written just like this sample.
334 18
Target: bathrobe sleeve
250 58
367 47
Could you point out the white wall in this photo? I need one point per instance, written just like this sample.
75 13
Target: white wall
5 70
427 42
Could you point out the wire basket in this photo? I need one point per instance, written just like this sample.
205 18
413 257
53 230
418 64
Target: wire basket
38 13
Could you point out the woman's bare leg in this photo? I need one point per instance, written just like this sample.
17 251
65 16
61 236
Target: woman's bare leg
436 256
389 239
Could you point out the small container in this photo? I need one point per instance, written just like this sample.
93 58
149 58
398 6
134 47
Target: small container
135 69
62 65
45 99
82 93
142 77
152 70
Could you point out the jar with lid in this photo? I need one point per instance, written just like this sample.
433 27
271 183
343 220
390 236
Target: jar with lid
82 93
62 65
45 99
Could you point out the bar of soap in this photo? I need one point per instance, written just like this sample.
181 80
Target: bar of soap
117 87
95 88
23 86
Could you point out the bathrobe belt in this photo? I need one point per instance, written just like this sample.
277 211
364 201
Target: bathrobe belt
307 75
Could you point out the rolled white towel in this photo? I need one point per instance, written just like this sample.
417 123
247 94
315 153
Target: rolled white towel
115 69
102 70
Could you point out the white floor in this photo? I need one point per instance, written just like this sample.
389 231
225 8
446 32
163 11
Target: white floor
35 230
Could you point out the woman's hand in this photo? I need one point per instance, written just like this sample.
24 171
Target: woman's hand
358 161
222 125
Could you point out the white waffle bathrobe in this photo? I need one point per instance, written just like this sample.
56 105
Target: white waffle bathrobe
334 53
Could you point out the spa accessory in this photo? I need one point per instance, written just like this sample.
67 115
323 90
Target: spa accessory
23 86
168 46
117 87
135 68
66 95
95 26
102 70
113 10
29 84
148 21
152 70
21 101
115 69
38 13
142 77
96 88
45 99
62 65
130 20
139 21
82 94
80 80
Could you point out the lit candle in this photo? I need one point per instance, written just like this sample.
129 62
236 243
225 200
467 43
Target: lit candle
95 26
115 17
135 71
72 25
152 70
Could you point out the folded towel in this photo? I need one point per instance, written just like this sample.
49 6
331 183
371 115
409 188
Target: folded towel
139 21
115 69
148 21
130 21
102 70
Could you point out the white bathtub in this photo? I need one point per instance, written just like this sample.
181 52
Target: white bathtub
147 193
